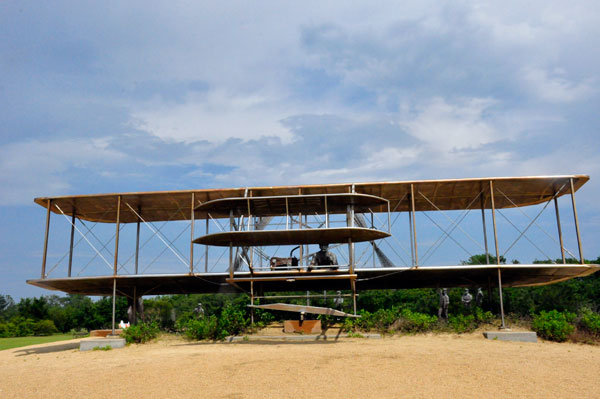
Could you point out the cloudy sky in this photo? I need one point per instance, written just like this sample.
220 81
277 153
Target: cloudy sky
140 96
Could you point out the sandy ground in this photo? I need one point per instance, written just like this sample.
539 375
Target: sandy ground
417 366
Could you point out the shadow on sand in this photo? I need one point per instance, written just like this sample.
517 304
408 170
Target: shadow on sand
321 339
59 347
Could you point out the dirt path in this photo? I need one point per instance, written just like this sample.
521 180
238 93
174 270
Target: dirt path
420 366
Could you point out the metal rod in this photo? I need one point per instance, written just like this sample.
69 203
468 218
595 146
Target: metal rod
350 256
137 244
501 299
414 224
372 243
497 254
350 223
389 218
249 214
114 296
494 222
252 303
117 235
412 247
88 241
192 222
576 222
231 244
134 307
71 243
301 262
46 238
326 214
560 237
353 283
206 250
230 259
157 233
485 240
287 214
251 265
307 247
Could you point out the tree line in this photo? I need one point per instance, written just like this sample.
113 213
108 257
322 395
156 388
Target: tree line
52 313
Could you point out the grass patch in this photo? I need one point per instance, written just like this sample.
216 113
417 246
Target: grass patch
17 342
102 348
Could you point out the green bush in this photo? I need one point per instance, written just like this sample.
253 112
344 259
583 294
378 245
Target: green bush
21 327
462 323
388 320
204 328
349 324
413 322
4 331
232 321
482 317
364 322
590 322
553 325
141 333
383 319
44 327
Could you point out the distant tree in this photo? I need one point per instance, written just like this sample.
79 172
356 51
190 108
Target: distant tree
480 259
33 308
7 307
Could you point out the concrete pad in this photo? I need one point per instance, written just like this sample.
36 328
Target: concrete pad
91 343
518 336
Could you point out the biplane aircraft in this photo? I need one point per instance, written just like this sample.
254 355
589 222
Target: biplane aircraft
246 227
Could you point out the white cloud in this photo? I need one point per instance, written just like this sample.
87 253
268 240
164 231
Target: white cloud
214 118
32 168
555 87
446 127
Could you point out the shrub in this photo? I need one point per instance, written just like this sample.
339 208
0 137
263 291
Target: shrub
461 323
4 331
21 327
364 322
590 322
262 316
413 322
204 328
553 325
349 324
141 333
384 318
482 317
232 321
44 327
82 332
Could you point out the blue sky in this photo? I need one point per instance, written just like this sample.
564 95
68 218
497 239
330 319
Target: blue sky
142 96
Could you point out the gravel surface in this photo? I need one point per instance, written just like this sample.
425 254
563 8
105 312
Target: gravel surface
412 366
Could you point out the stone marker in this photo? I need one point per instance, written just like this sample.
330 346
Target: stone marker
90 344
519 336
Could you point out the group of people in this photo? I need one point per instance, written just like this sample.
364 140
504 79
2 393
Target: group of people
467 300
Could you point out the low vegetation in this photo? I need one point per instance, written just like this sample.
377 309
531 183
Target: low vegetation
563 311
141 333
